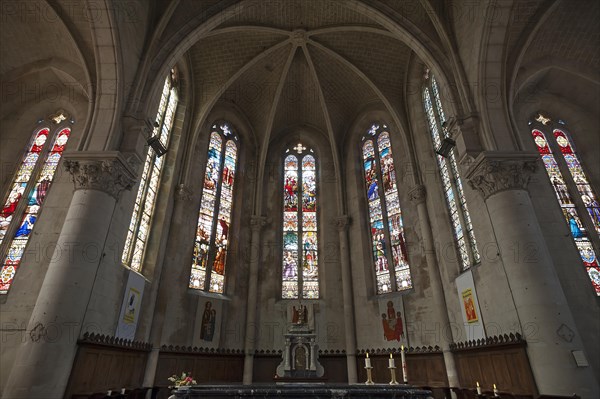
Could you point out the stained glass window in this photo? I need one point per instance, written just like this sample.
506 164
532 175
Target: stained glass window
32 182
300 271
462 227
137 234
212 234
571 190
385 216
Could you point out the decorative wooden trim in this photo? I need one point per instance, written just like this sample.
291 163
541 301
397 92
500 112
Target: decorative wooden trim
497 340
201 350
120 343
408 349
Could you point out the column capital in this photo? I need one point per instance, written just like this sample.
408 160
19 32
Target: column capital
258 222
417 194
495 171
107 171
342 222
183 193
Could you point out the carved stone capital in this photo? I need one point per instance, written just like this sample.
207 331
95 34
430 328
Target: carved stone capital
342 222
495 171
417 194
258 222
107 171
183 193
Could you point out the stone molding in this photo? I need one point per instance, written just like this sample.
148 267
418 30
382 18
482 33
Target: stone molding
183 193
494 171
195 349
258 222
342 222
109 340
497 340
106 171
417 194
407 349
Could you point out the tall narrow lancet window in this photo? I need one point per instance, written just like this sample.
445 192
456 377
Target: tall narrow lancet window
139 226
214 219
28 192
575 196
462 227
385 216
300 271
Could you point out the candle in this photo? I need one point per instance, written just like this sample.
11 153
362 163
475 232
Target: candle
392 363
403 360
367 361
495 390
478 389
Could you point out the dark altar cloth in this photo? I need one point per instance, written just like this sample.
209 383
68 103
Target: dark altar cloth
304 390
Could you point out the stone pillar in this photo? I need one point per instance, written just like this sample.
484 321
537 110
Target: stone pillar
417 195
501 178
256 224
342 223
44 361
167 278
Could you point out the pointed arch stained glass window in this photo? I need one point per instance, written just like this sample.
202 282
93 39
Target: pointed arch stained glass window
573 191
300 272
462 227
385 216
143 209
18 217
212 233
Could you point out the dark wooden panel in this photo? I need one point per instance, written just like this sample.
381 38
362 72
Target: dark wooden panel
507 366
99 368
423 369
213 368
265 367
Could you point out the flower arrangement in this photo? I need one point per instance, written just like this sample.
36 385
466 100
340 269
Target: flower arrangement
184 380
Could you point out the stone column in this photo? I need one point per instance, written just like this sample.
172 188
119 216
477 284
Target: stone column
256 224
417 195
342 223
44 361
167 278
501 178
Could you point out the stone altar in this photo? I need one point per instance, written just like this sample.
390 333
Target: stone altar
300 357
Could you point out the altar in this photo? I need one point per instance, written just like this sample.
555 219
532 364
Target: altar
300 356
300 390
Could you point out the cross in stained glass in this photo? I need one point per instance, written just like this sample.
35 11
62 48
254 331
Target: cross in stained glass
541 118
373 130
58 118
299 148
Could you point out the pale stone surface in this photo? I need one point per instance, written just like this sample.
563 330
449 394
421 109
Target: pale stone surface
319 73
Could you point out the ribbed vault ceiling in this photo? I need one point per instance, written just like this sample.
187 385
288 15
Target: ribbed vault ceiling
290 64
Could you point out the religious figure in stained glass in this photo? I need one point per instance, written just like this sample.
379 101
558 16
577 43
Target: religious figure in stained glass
46 147
579 227
143 210
456 202
300 272
209 259
385 214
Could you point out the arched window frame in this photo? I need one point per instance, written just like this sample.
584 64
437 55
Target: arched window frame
31 181
384 214
145 200
456 202
300 255
577 199
211 244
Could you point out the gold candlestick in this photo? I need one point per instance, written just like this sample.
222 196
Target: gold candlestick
369 380
393 374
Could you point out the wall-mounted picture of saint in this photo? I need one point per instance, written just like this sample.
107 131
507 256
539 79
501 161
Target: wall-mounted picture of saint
469 304
131 305
393 327
207 328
